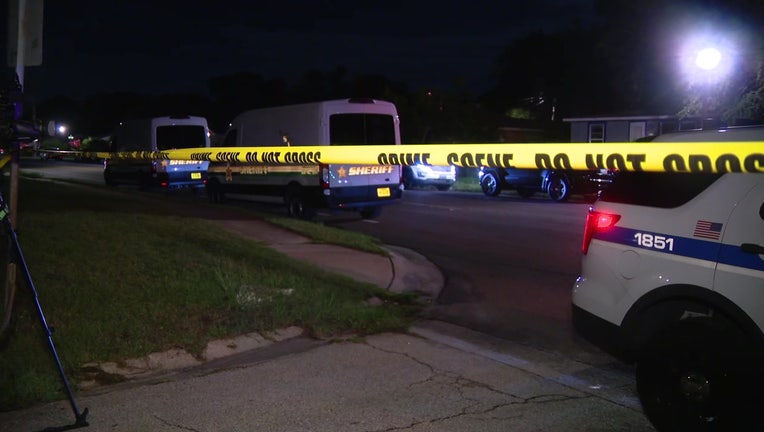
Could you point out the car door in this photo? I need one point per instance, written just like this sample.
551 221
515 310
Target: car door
740 272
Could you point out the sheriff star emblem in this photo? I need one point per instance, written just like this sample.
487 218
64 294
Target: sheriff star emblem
342 172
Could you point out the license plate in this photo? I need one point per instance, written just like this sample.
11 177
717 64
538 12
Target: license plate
383 192
196 176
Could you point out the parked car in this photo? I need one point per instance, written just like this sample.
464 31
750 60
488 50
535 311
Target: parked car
672 279
52 153
558 184
441 177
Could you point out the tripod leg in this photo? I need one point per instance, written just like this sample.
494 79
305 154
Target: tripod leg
80 417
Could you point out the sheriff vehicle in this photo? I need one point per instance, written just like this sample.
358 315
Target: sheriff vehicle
155 135
309 185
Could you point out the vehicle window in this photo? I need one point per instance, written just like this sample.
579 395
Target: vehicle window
176 137
656 189
360 128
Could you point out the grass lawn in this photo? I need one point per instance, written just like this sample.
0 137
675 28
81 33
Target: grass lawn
121 274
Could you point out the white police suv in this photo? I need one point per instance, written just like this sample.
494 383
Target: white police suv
672 278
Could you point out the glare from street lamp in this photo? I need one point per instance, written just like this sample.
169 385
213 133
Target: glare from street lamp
62 129
708 58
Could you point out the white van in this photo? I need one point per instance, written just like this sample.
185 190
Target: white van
307 187
157 134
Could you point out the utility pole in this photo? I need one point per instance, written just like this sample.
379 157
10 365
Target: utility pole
20 51
24 49
25 16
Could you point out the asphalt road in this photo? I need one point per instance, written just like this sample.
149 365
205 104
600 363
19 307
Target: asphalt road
509 263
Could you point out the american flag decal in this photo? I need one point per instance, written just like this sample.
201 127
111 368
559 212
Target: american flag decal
706 229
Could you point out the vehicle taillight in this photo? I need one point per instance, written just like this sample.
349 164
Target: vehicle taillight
597 222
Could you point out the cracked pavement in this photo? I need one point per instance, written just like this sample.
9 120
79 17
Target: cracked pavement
435 378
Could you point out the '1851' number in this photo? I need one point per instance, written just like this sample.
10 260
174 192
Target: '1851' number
654 241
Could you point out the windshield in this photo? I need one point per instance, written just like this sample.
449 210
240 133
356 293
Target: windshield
177 137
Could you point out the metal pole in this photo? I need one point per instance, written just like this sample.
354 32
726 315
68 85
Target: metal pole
20 53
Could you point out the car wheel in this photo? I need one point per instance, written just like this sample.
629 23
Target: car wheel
408 178
108 178
559 189
143 180
489 183
215 191
697 375
297 207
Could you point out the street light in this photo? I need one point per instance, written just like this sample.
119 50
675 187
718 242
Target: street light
706 62
708 58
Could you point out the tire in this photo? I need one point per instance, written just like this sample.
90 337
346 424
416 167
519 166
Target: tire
143 180
371 212
525 192
490 184
443 188
108 178
559 189
408 178
215 192
297 207
698 375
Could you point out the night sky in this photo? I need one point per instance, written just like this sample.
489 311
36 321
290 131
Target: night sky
169 46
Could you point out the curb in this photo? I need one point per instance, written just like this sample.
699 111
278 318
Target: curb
414 273
96 374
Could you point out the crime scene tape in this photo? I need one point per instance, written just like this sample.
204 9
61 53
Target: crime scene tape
691 157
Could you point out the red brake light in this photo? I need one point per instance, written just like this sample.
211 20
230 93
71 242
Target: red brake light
597 222
605 220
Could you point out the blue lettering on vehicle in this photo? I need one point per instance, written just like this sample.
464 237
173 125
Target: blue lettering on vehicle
683 246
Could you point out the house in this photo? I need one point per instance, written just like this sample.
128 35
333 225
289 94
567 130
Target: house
624 129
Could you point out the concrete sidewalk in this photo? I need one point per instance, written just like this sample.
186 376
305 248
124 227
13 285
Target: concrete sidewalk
403 271
438 377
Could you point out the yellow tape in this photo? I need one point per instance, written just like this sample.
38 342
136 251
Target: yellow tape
628 156
4 160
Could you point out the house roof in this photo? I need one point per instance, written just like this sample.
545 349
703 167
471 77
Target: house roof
620 118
